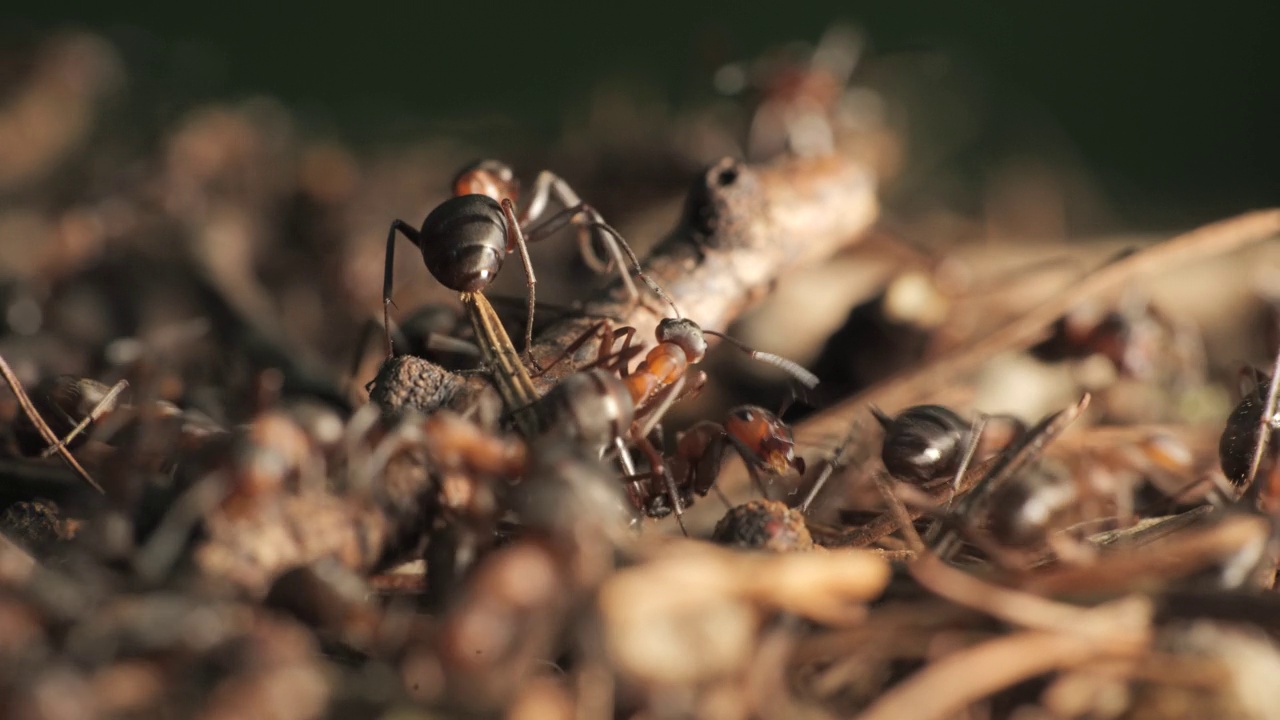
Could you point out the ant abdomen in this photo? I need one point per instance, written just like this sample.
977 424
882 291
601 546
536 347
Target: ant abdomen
593 406
1025 511
923 443
464 242
1240 437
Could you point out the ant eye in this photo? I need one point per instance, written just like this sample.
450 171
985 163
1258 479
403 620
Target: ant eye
744 415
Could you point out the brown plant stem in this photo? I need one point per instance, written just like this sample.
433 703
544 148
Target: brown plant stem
43 427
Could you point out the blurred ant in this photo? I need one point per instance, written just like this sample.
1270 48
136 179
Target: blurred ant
1035 506
926 444
798 98
464 242
603 404
1009 464
1249 439
1139 340
941 441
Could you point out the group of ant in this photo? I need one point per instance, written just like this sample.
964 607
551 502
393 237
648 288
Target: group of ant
609 409
605 407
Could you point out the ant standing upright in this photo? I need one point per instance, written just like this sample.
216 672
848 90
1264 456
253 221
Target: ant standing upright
464 242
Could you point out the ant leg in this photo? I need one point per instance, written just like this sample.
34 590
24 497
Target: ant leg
971 448
754 472
410 232
601 328
665 398
366 332
616 361
658 465
97 412
617 245
835 461
516 241
547 185
723 498
706 470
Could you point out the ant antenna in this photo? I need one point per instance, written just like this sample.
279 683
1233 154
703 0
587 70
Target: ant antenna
635 262
829 466
793 368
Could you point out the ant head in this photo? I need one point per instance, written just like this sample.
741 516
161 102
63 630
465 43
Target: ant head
922 443
464 241
766 436
686 335
492 178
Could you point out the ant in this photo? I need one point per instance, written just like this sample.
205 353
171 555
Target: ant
1139 339
1100 485
926 444
761 439
1249 436
603 404
977 486
464 242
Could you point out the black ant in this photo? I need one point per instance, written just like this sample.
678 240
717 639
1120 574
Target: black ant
1250 434
926 444
464 242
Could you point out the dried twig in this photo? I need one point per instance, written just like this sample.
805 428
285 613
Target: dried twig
43 427
947 686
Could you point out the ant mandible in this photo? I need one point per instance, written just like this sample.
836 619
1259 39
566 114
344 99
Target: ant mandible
466 238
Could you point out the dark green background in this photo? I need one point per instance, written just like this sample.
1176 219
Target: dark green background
1172 105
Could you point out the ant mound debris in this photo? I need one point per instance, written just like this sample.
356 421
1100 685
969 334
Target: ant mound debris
1030 479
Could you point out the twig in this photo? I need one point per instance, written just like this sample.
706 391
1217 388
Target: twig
46 432
1172 557
945 687
906 523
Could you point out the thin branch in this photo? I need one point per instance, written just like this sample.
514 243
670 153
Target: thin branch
43 427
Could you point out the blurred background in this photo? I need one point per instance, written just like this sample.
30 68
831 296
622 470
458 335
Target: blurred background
1169 107
167 166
